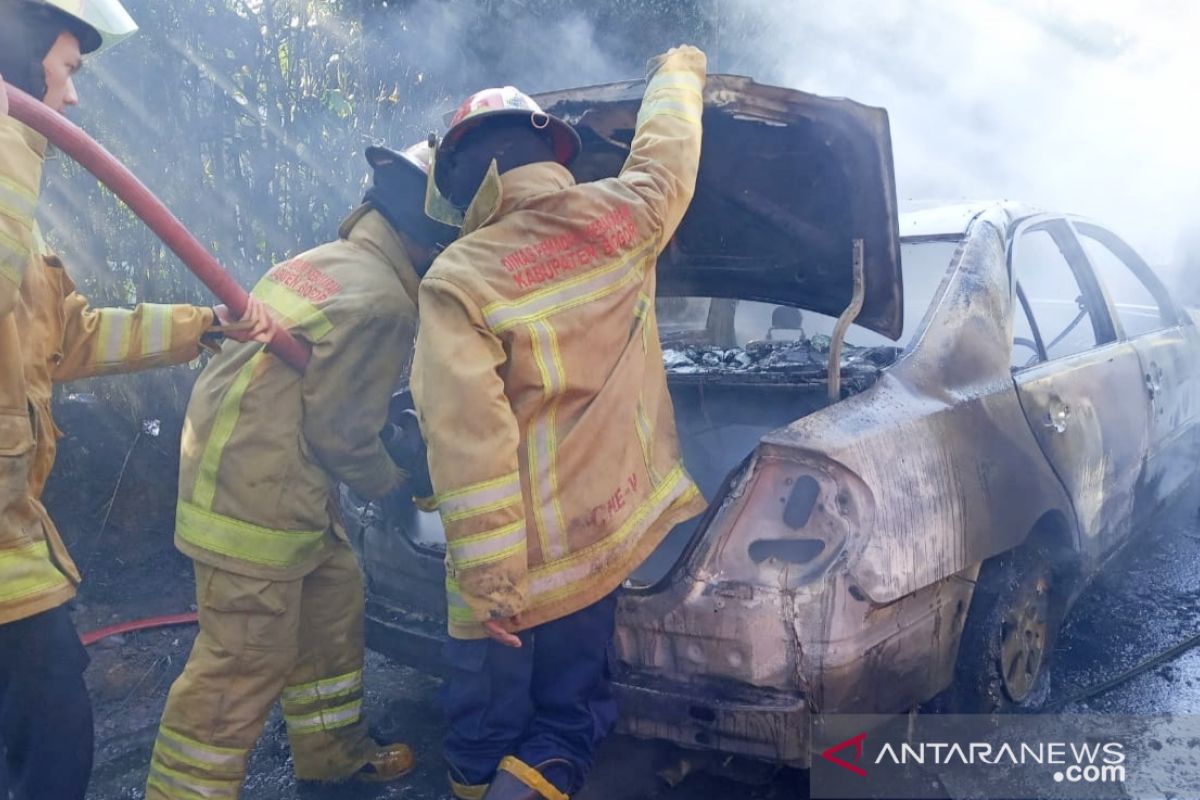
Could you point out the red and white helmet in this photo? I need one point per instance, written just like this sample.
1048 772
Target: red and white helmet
508 101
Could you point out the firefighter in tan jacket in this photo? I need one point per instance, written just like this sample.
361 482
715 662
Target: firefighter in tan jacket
49 334
539 382
279 592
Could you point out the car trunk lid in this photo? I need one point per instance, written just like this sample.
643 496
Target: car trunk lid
788 180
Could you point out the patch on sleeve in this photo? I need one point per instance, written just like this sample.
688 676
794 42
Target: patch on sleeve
305 280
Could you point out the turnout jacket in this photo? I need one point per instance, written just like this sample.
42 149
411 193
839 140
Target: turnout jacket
264 445
538 374
49 334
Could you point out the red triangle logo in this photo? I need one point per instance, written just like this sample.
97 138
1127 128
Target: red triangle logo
857 743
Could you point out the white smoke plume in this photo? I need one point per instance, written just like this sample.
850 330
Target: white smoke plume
1085 106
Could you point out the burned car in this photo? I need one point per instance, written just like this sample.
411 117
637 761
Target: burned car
919 436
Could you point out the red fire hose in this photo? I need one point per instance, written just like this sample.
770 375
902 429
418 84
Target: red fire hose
91 637
69 138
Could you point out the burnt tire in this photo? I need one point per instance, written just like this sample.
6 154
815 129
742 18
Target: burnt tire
1005 653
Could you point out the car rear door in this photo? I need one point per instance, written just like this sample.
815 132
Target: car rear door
1168 346
1080 386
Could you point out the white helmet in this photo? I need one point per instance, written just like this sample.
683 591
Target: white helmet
106 22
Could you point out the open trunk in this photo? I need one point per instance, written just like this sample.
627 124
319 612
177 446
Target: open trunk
788 184
726 399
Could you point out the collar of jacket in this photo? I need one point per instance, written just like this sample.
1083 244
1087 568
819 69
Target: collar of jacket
501 194
37 142
367 228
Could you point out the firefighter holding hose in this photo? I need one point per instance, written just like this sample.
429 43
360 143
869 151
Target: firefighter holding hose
279 591
49 334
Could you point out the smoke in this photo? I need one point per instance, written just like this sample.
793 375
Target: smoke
1072 105
1082 106
552 48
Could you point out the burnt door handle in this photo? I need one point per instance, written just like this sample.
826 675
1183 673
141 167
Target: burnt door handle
1154 380
1057 416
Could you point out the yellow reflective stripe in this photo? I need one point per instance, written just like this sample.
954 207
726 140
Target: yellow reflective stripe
480 497
645 434
13 259
642 306
156 328
456 607
178 747
493 545
552 424
555 579
28 571
326 719
295 308
243 540
223 426
467 791
673 93
188 787
675 79
113 335
324 689
552 581
542 443
17 202
671 108
568 294
503 502
531 778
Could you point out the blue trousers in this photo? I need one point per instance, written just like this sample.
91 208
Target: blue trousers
45 712
549 698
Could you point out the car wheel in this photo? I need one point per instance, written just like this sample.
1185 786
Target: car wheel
1004 656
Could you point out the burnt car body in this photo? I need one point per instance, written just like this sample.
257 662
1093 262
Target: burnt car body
1004 419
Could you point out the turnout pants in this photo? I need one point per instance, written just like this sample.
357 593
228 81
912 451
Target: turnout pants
549 698
45 713
261 640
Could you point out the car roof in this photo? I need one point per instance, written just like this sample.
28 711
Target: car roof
936 219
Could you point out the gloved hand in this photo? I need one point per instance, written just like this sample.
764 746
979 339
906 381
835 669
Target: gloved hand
406 446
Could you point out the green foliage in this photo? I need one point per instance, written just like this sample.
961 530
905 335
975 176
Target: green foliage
248 118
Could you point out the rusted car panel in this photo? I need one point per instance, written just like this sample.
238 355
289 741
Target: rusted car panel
915 438
838 565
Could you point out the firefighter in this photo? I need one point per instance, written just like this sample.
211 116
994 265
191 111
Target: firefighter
49 334
539 383
279 592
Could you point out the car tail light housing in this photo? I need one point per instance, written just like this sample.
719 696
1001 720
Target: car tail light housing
796 517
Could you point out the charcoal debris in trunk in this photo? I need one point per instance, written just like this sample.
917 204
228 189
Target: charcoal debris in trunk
800 361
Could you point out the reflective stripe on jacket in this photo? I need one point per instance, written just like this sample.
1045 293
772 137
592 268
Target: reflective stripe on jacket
263 445
49 334
538 374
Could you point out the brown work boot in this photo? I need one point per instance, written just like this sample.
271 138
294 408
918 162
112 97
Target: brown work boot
389 762
516 780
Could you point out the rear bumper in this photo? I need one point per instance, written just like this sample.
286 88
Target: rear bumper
744 721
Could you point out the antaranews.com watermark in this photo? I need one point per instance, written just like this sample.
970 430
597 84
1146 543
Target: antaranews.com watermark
1017 756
